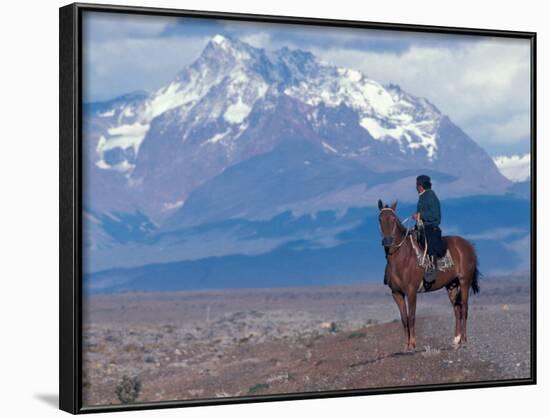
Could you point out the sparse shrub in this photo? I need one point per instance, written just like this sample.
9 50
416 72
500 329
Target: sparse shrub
110 338
128 389
356 335
169 328
430 351
284 377
96 348
131 347
258 387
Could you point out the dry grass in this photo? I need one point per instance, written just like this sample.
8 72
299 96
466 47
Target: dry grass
430 352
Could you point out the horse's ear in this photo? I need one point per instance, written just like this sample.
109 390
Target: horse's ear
394 205
380 205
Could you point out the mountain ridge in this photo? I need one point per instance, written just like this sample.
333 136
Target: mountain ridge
152 153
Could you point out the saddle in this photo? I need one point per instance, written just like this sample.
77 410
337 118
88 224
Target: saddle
443 263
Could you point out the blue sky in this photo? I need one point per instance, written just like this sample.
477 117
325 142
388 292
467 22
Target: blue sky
482 83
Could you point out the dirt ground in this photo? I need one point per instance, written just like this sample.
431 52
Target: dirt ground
226 343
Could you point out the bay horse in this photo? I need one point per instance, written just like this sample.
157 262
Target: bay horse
406 276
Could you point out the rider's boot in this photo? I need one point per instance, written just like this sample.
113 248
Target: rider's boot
430 274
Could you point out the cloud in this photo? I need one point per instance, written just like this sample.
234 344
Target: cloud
515 168
503 129
522 248
310 36
495 234
481 83
258 40
100 26
123 53
119 66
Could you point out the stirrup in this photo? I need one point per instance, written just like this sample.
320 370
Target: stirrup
427 284
430 274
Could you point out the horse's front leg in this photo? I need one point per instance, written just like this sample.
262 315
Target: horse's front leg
411 301
400 301
455 302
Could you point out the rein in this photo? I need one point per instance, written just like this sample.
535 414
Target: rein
393 231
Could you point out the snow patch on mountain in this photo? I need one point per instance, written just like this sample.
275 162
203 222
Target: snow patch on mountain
237 88
109 113
221 88
128 112
174 95
219 39
386 113
514 167
217 137
123 137
123 166
237 112
329 148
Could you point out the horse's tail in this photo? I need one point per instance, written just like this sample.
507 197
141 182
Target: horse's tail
477 275
475 280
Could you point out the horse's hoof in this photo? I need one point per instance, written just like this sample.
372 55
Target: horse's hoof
456 341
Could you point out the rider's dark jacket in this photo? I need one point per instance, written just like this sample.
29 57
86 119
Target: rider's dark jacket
430 213
429 208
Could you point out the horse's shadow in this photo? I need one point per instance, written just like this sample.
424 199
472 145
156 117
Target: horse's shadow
401 354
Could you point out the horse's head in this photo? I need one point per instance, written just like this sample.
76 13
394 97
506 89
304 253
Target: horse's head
388 222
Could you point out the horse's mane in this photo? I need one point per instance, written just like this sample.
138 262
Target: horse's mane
400 225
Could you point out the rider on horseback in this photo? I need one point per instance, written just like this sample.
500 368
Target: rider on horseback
428 217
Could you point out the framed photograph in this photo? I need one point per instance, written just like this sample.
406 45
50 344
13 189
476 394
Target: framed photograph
264 208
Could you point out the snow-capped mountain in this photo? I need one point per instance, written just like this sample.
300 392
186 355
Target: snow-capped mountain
150 152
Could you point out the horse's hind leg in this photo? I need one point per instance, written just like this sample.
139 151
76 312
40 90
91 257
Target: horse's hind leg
464 292
454 297
400 301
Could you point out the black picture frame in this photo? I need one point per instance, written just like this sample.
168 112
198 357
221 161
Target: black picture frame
70 203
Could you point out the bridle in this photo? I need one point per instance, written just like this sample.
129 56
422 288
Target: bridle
396 219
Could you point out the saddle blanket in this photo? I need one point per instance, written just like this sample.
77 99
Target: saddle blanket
446 262
443 264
